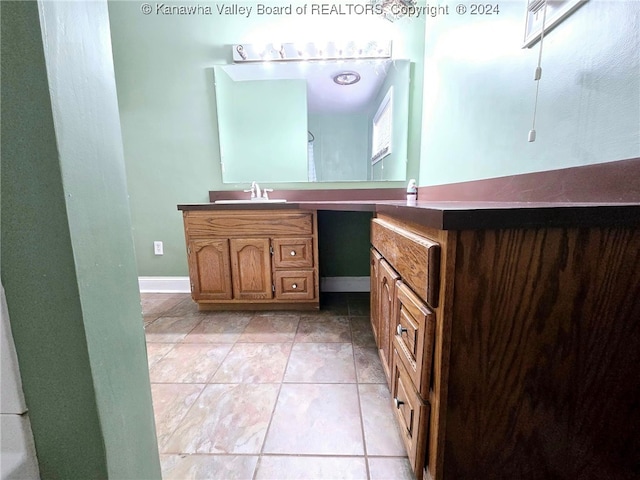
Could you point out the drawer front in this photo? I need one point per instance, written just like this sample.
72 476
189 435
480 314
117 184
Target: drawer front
416 258
412 414
292 252
243 223
413 337
294 285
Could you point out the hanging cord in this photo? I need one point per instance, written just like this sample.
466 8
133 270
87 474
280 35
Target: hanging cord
538 75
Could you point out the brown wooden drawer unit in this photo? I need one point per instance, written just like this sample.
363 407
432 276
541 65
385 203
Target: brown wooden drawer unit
253 258
294 285
413 337
411 259
414 257
292 252
412 414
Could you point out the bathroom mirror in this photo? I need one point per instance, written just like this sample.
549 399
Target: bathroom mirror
312 121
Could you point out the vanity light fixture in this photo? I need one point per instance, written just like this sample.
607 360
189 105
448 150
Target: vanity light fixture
346 78
393 10
287 52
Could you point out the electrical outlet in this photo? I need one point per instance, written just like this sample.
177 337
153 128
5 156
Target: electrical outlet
158 248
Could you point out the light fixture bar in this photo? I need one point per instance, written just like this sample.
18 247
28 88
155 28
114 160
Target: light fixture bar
288 52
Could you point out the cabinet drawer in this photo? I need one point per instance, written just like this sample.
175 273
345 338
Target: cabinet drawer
416 258
294 285
235 223
412 413
413 337
292 252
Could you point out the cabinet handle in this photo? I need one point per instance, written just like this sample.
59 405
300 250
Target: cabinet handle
398 402
293 253
294 286
400 329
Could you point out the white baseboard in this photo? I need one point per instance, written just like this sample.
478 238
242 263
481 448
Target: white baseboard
164 284
344 284
182 285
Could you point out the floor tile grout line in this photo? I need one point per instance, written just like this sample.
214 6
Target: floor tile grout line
275 404
362 430
204 386
352 311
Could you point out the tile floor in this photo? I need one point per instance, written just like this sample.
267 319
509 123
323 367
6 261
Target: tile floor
270 395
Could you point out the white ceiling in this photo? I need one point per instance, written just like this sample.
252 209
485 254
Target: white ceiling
323 94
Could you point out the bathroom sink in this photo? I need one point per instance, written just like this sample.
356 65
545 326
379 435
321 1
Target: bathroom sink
259 200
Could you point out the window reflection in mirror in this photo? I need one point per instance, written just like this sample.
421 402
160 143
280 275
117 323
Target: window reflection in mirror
292 122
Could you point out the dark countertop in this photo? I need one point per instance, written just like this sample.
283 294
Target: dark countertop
467 215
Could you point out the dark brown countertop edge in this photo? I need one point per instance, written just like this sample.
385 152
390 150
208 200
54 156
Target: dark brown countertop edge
604 194
470 215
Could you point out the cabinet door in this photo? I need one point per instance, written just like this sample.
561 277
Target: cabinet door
375 265
251 268
387 278
209 269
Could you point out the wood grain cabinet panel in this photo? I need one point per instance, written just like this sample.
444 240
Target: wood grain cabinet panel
373 293
253 259
387 278
415 258
242 223
293 252
251 268
412 414
527 366
414 337
402 260
210 269
294 285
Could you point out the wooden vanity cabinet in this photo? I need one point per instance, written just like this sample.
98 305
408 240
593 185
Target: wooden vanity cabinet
406 267
255 259
523 360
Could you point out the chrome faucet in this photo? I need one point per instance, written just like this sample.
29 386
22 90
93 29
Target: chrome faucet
255 190
257 194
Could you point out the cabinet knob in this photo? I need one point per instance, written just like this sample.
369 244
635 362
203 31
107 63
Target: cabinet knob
400 329
294 286
293 253
398 402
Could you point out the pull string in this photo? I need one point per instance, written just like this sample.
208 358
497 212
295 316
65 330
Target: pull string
538 75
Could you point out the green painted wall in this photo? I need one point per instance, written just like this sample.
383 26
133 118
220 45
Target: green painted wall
269 112
341 146
164 76
68 264
479 93
394 165
343 243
